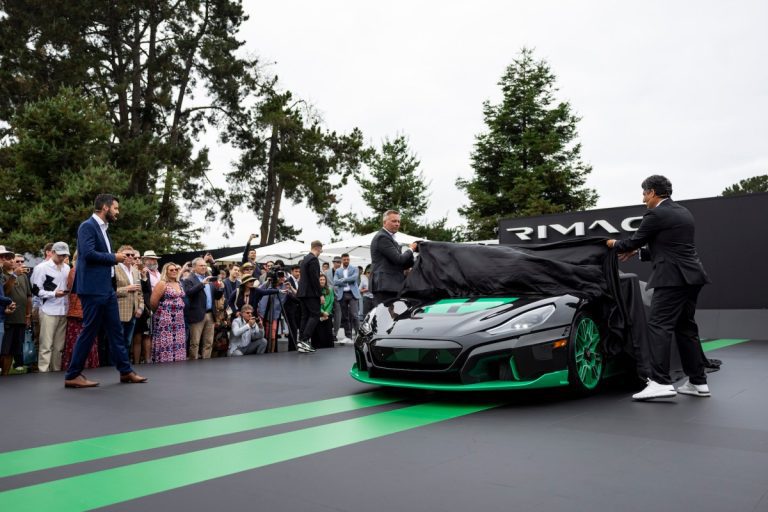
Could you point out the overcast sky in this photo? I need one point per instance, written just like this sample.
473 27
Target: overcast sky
668 87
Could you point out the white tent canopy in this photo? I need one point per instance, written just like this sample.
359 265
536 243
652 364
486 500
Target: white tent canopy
291 252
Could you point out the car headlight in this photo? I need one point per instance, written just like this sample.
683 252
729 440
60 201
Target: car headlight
525 322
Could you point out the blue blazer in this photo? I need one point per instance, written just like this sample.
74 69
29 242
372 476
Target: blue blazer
339 282
94 262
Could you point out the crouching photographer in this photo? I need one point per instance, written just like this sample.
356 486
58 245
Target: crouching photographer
247 337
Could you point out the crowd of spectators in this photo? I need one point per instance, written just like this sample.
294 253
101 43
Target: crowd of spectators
196 310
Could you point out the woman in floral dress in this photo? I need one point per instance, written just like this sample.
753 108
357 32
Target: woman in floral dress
168 332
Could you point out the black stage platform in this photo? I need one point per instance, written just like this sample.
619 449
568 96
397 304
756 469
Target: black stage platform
293 432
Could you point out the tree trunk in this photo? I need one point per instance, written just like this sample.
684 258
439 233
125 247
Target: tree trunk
275 213
136 74
270 195
175 133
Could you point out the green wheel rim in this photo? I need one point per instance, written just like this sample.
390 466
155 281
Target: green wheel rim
589 358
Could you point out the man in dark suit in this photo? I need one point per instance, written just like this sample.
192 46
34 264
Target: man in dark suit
668 230
292 307
94 285
310 296
202 291
387 262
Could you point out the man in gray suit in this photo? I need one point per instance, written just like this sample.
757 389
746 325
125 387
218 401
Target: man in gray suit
387 262
347 296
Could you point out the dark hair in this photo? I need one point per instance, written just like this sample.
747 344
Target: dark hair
103 200
659 184
345 255
48 247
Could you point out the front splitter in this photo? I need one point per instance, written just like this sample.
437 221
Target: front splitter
548 380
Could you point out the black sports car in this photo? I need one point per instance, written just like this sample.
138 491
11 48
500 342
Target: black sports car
482 343
476 317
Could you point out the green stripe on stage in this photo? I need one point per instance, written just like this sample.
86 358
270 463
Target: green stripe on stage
61 454
708 346
125 483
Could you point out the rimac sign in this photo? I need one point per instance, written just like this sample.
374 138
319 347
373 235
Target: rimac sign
546 232
730 239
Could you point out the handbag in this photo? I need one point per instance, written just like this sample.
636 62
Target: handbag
28 348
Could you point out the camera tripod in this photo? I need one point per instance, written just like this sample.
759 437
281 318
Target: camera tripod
270 324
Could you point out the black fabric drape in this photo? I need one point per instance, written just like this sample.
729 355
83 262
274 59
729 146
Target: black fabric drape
583 267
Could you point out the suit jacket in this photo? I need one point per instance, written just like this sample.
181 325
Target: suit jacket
94 261
339 282
388 263
669 231
195 292
128 302
309 284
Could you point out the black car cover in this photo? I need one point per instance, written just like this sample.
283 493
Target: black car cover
583 267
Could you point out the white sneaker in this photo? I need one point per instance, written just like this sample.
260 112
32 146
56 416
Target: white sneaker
304 347
655 390
694 389
344 341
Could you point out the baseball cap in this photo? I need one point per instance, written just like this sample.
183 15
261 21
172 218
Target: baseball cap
61 248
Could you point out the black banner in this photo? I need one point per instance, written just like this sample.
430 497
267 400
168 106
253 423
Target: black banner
731 239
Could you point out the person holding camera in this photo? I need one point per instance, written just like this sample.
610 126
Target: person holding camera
246 337
202 290
272 306
249 255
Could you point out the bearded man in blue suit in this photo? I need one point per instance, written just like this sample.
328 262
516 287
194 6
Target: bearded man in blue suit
94 286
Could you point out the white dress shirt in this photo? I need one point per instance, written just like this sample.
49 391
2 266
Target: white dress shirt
104 226
48 271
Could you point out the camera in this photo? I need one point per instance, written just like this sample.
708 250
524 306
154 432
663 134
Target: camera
274 275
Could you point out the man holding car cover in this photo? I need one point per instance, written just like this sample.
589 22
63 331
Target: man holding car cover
668 229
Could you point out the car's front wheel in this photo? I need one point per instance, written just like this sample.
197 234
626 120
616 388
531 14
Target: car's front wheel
586 359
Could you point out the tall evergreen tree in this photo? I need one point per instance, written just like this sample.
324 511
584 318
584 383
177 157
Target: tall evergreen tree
396 183
165 70
50 176
748 186
286 153
528 161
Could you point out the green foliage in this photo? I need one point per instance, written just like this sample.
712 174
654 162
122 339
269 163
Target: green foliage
142 61
527 162
286 153
748 186
51 174
395 183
